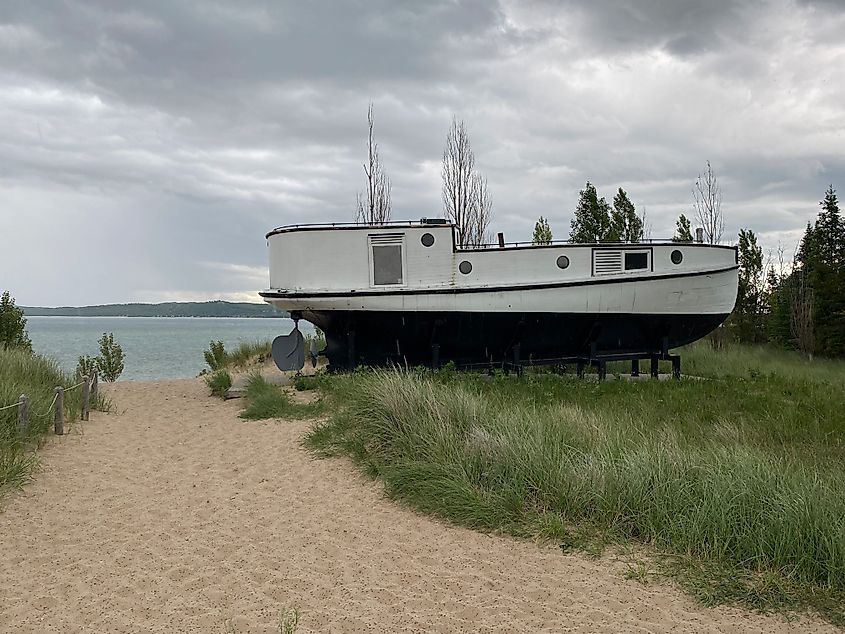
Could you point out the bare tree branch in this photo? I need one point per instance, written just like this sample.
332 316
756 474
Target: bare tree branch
707 197
801 315
466 199
373 204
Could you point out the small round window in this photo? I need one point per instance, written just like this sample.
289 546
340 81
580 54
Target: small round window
677 257
427 239
562 262
465 267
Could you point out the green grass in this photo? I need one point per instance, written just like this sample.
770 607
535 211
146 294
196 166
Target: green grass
219 382
248 353
735 483
264 400
35 376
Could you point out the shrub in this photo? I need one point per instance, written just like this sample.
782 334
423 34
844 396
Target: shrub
219 382
86 365
110 359
216 356
12 325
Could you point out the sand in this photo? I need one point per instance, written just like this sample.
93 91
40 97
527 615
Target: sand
173 515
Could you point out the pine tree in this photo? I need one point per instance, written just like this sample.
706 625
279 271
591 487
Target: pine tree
592 217
542 232
683 230
830 230
747 317
625 225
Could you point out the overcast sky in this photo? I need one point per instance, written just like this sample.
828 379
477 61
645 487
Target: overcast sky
147 147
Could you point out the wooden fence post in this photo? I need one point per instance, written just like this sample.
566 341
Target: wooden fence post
94 389
59 419
86 390
23 414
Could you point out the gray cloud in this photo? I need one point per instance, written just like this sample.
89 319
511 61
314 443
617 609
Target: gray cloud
166 138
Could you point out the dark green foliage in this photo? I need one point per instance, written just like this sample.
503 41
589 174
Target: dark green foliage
737 477
595 221
215 356
542 232
625 225
12 325
86 365
592 217
219 382
683 230
110 360
747 320
816 286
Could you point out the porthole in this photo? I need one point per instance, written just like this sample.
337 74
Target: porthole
427 239
562 262
465 267
677 257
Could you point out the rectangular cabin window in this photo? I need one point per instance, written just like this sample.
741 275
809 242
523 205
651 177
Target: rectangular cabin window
636 261
387 264
387 267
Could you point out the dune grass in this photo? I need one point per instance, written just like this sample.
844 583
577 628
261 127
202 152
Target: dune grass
248 353
25 373
265 400
219 382
735 483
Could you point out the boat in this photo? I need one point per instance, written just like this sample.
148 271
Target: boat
405 293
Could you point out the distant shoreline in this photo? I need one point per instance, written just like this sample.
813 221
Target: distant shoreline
165 309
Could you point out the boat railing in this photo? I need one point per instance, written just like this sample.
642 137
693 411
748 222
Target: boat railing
423 222
561 243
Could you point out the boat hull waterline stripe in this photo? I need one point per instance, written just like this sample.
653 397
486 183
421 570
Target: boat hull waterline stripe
275 294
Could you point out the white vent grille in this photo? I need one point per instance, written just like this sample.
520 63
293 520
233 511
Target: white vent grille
606 262
386 238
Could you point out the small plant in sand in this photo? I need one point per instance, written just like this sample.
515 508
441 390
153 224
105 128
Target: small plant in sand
288 621
219 382
110 359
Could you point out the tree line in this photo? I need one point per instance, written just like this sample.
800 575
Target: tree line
798 304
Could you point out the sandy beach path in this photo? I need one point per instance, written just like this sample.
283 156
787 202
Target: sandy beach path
173 515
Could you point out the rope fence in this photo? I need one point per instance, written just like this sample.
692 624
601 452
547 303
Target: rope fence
89 387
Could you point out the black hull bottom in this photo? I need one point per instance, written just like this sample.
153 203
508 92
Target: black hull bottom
422 338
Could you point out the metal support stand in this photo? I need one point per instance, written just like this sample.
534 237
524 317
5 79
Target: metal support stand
635 367
351 348
655 368
516 363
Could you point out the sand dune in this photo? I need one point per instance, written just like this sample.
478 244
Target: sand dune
172 515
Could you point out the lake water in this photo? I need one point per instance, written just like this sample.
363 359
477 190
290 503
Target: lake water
154 347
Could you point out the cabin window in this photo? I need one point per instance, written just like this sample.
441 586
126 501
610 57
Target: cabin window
465 267
677 257
427 239
636 260
562 262
386 259
387 264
